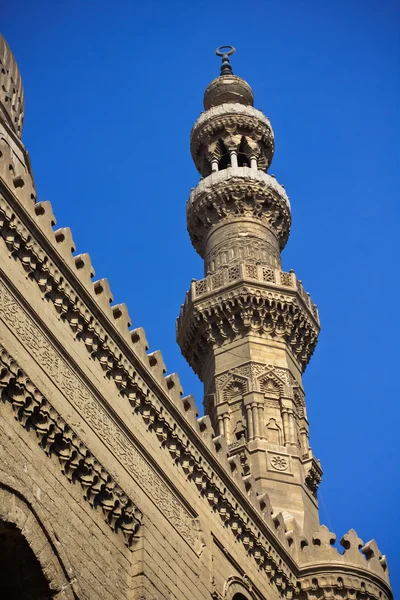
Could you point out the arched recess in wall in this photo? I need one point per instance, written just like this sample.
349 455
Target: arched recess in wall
239 588
29 559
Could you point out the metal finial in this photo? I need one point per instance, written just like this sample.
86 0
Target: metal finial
225 52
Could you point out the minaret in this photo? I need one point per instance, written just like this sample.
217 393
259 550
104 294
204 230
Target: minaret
248 329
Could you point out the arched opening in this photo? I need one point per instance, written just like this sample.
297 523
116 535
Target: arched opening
21 575
239 597
225 159
243 160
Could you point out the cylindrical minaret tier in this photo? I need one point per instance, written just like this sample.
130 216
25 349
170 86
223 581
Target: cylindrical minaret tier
233 241
227 89
231 129
250 198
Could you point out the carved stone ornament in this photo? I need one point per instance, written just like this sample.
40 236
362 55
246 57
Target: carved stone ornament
241 309
314 476
94 414
236 121
279 462
55 437
238 585
237 192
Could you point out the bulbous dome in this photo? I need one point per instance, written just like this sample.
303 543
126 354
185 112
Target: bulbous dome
227 89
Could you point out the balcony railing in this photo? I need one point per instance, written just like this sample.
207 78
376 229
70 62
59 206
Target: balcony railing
247 272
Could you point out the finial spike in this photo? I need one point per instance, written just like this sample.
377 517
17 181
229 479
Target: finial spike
225 52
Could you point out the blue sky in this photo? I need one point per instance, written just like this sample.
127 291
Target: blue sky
112 91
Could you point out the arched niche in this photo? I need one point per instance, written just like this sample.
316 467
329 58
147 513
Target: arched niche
31 567
22 577
239 588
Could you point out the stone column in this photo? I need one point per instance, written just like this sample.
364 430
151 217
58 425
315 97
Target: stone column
225 422
285 420
256 422
289 425
250 427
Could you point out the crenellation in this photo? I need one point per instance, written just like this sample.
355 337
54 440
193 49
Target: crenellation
65 245
103 295
175 392
84 267
122 320
45 217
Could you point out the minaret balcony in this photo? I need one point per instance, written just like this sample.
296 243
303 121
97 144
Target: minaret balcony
233 125
237 193
242 299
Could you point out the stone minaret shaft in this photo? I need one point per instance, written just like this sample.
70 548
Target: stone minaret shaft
248 329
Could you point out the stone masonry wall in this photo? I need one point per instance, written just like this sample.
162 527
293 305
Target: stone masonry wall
175 554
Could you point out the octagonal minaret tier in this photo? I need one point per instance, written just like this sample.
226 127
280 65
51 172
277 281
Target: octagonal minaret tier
248 329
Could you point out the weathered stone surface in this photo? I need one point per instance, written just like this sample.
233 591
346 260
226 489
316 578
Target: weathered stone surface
111 487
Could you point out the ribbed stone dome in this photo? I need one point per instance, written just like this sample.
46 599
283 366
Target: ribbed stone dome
228 88
11 89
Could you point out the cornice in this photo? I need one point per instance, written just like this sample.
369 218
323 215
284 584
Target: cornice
237 192
35 413
231 108
220 317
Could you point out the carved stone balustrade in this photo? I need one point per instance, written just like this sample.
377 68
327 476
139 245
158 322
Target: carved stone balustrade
246 271
253 298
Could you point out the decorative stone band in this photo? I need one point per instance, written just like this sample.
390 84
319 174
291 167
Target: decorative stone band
240 308
88 406
77 463
248 271
237 192
234 121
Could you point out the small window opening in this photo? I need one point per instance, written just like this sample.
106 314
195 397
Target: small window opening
243 161
225 160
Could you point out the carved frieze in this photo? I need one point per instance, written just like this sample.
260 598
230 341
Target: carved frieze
232 313
85 402
236 192
77 463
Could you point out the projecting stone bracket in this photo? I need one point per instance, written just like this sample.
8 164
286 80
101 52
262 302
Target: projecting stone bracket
243 308
313 475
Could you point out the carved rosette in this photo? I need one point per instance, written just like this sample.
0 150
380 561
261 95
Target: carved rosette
236 193
214 320
238 127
